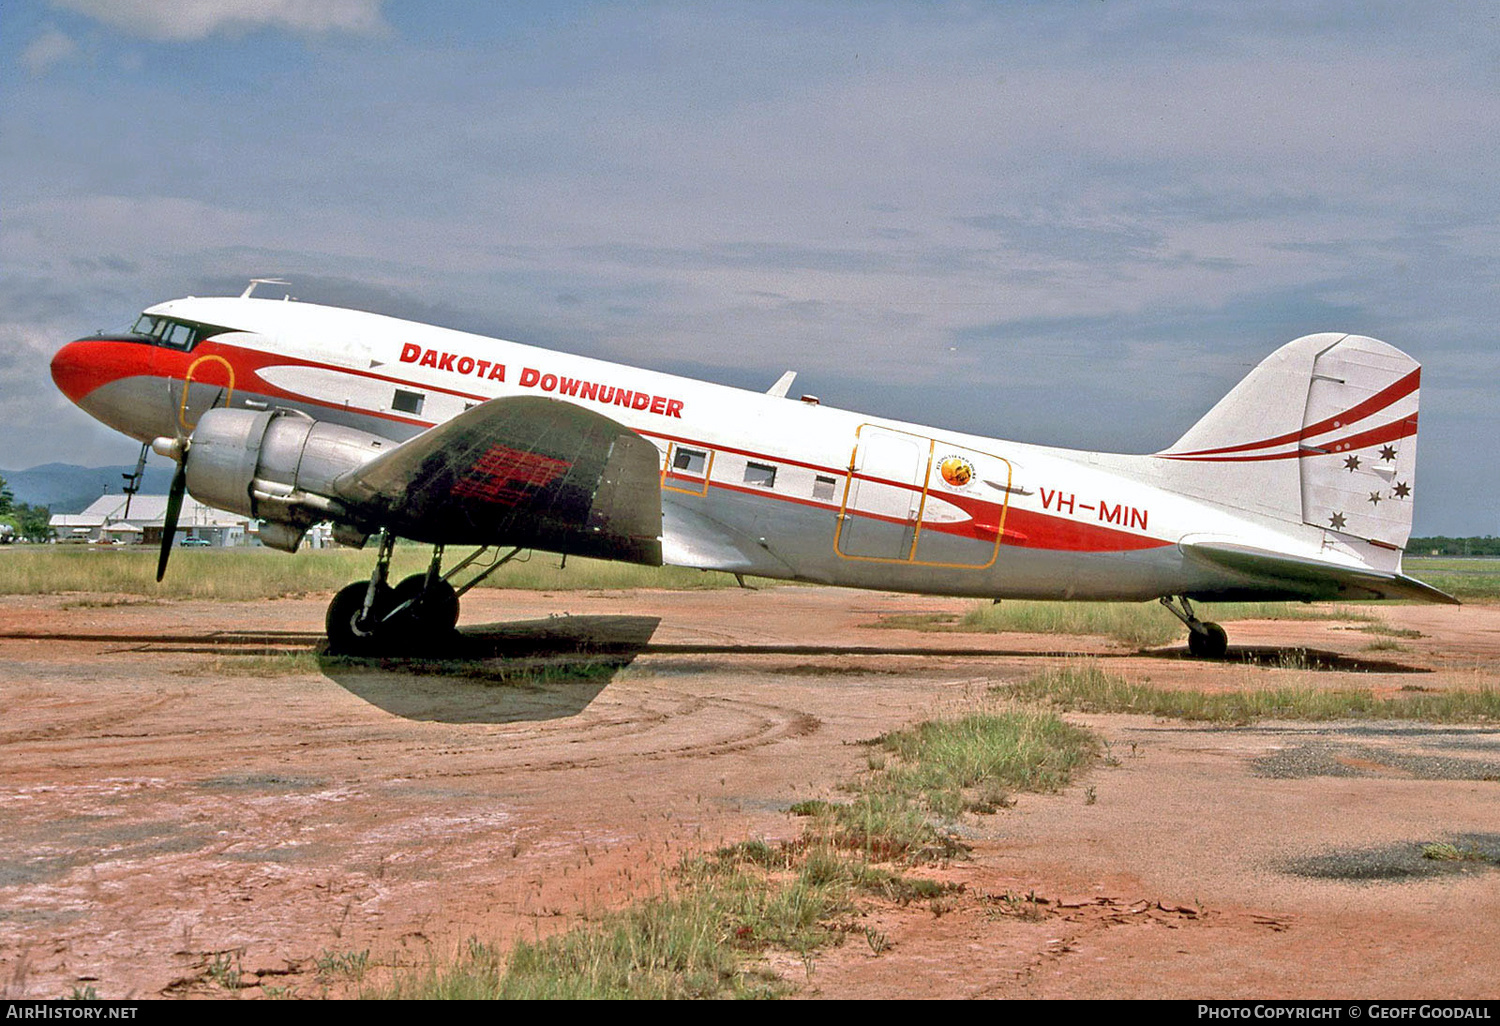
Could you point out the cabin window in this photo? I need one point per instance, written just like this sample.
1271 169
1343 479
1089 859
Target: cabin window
166 331
408 402
823 488
177 335
762 475
150 327
689 461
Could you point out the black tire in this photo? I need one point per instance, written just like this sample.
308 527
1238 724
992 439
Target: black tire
346 634
435 612
1212 643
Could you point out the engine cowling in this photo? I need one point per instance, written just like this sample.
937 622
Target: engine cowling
275 465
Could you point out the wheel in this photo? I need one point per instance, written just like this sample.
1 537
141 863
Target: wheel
435 611
1211 643
346 633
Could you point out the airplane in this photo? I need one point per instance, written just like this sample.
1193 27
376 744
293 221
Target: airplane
1297 485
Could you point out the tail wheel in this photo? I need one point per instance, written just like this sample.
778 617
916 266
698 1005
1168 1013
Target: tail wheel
1209 643
434 610
348 632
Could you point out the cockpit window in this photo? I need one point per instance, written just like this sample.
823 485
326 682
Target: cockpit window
167 331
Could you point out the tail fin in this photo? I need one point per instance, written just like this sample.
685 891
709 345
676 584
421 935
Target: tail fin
1323 432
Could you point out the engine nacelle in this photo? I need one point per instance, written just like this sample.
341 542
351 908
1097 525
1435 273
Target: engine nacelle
275 465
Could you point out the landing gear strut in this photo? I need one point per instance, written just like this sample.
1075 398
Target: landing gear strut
371 616
1205 640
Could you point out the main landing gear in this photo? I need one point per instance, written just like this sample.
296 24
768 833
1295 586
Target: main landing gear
371 616
1205 640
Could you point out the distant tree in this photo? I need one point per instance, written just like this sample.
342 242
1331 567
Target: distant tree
1441 545
33 522
7 500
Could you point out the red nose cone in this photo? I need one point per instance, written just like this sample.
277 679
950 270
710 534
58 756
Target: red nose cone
70 371
82 366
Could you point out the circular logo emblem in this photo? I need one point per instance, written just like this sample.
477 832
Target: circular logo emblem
957 471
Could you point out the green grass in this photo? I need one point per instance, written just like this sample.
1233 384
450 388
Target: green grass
1445 852
265 666
1474 579
240 575
659 949
706 936
941 769
1085 687
702 939
1142 624
952 766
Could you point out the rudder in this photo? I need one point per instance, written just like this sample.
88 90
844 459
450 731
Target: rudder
1322 432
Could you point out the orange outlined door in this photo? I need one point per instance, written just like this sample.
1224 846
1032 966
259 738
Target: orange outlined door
883 497
912 499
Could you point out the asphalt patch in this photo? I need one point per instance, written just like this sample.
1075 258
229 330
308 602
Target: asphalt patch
261 782
1403 861
1345 760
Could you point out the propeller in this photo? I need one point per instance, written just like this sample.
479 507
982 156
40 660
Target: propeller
175 449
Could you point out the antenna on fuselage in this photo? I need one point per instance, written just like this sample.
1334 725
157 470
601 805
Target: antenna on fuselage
783 383
260 281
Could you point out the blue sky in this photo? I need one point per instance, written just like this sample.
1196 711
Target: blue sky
1069 223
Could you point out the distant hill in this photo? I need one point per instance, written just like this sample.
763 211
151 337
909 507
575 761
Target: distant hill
66 488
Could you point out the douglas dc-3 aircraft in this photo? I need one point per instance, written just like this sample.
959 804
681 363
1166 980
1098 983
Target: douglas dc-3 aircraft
1297 485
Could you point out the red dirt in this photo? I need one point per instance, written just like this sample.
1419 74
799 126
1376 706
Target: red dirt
161 808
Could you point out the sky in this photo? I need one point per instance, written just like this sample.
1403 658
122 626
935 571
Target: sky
1071 223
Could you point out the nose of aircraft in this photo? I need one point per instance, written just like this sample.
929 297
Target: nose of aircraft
81 367
71 370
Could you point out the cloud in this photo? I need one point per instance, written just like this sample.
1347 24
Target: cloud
964 214
192 20
47 49
1073 239
39 234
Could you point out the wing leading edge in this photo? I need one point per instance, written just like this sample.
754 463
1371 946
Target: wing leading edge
527 471
1312 578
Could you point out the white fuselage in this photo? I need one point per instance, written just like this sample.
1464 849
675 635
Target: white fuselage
751 483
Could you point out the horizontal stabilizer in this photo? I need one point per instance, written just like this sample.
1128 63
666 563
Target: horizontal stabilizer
1315 578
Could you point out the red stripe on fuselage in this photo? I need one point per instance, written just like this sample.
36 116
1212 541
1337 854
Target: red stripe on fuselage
95 362
1024 528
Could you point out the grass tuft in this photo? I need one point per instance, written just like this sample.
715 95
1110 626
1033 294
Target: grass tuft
1085 687
954 766
705 936
1445 852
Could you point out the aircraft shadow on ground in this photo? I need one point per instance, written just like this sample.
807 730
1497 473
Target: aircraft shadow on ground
1294 658
536 670
498 673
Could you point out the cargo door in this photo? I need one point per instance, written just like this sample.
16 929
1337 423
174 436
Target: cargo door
883 497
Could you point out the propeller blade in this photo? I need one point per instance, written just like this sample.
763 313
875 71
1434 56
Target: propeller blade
174 510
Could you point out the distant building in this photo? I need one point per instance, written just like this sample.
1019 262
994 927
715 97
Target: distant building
105 522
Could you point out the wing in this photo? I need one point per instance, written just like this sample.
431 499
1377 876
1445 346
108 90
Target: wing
1312 578
528 471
